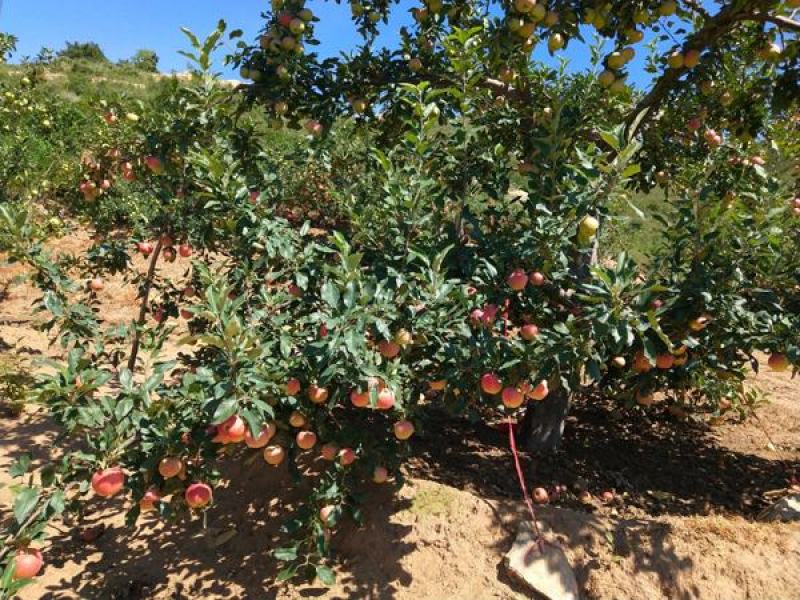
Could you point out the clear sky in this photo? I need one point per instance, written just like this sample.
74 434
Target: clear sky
123 26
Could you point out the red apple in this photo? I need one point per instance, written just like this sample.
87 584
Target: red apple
540 495
529 332
388 349
264 436
306 440
347 456
109 482
317 395
185 250
293 387
537 279
198 495
170 466
540 392
403 430
329 451
778 362
27 563
512 397
149 500
517 280
491 384
386 399
274 455
380 475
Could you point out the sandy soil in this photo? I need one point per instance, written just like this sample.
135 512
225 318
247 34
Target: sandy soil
683 525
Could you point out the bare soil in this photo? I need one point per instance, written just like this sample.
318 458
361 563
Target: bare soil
682 526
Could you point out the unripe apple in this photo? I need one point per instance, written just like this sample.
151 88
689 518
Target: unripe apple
329 452
675 60
305 14
306 440
667 8
292 387
524 6
28 563
198 495
606 78
628 54
403 430
108 482
619 362
357 9
297 26
386 399
506 75
778 362
615 60
641 16
518 280
618 87
347 456
380 475
588 227
288 43
170 466
556 42
149 500
360 105
282 72
274 455
403 338
541 391
512 397
538 13
415 64
634 35
491 384
726 98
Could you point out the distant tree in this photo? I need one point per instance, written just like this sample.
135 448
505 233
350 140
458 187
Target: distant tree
145 60
85 50
45 56
8 44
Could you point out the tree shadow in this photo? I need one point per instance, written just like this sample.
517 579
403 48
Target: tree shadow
230 556
653 461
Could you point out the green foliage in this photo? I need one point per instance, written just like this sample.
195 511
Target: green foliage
90 51
343 280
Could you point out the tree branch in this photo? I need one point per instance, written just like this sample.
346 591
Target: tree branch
715 28
780 22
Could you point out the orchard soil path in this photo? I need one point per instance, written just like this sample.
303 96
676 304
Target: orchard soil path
682 526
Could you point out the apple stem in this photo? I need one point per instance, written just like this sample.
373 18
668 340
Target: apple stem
148 285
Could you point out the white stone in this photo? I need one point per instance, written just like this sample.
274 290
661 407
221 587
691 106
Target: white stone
542 566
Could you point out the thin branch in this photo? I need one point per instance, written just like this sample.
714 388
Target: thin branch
148 284
779 21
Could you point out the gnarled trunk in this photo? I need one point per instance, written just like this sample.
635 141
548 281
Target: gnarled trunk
542 427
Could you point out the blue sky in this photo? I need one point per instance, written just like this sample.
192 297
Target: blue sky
122 26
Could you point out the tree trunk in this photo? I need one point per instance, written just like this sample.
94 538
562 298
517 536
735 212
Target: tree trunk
542 427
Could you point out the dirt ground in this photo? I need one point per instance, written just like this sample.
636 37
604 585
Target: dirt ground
683 525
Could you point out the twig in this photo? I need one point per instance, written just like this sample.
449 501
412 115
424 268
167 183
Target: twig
137 335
